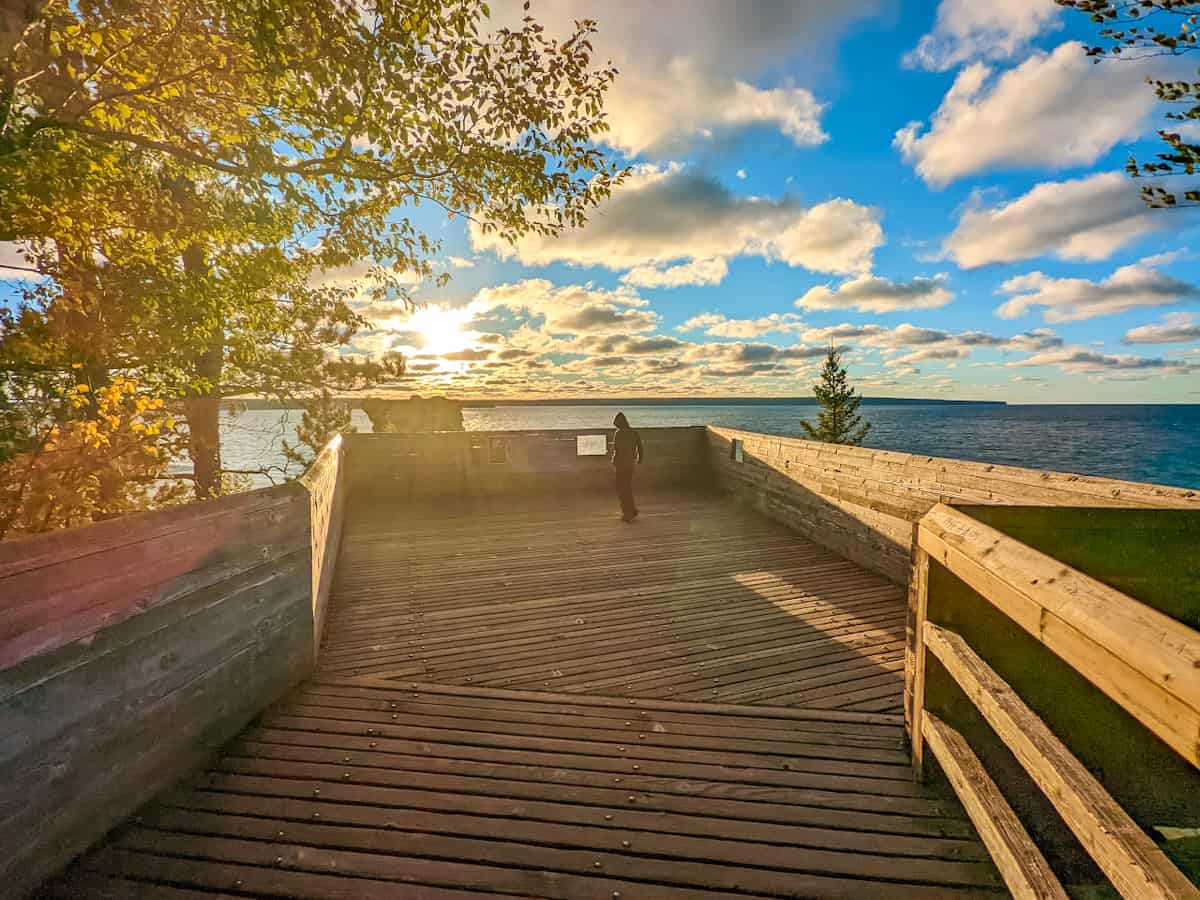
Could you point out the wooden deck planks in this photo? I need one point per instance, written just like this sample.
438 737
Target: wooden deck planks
549 703
699 600
382 800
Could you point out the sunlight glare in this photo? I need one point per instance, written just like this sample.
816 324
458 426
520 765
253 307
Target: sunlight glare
442 328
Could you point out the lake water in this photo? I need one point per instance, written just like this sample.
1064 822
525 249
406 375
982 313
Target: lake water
1157 443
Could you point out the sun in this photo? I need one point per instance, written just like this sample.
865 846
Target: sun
442 328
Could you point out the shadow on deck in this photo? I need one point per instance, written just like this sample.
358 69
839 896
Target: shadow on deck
698 600
538 700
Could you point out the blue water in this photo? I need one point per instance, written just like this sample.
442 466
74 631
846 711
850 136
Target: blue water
1159 444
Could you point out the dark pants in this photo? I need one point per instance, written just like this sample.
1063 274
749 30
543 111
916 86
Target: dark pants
625 491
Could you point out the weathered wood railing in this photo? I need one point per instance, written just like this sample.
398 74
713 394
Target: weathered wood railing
132 649
862 502
1143 660
468 465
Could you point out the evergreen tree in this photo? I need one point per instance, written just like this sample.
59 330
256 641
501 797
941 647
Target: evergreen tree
839 421
324 417
1136 29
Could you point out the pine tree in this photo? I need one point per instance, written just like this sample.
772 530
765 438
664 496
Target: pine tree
324 416
839 421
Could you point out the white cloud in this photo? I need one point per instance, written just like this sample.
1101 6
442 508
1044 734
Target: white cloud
741 173
665 108
1165 259
1073 299
1189 131
631 345
1053 110
13 264
717 325
1085 218
667 214
740 360
969 30
907 344
1080 360
1176 328
571 309
691 69
702 271
873 294
460 262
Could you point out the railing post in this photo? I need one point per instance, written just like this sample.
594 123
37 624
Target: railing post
914 657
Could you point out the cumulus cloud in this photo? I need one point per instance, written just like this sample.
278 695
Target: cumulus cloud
460 262
1081 360
1053 110
873 294
468 355
969 30
739 360
702 271
1084 218
680 84
571 309
630 346
680 101
1176 328
717 325
907 344
1073 299
747 353
667 214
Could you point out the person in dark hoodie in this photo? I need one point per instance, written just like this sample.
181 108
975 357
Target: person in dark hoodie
627 452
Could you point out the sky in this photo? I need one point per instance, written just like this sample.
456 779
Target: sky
935 187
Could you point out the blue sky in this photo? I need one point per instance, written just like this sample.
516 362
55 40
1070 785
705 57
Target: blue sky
937 235
937 189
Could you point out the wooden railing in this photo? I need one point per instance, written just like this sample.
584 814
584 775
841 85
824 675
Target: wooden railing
862 502
133 649
1146 662
468 465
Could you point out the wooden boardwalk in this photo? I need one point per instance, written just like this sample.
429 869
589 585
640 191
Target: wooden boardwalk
698 600
541 702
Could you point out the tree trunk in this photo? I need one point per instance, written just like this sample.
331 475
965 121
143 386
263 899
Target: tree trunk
203 413
203 406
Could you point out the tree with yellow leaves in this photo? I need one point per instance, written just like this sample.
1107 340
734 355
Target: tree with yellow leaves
87 455
186 171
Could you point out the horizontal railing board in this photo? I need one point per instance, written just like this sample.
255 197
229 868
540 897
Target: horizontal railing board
1126 854
862 502
1148 554
55 604
133 669
1021 864
132 649
56 547
1144 660
150 754
390 468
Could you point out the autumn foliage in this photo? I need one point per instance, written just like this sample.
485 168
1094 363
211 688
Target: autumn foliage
96 455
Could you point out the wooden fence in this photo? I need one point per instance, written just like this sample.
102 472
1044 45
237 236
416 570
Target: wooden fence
1137 659
468 465
863 503
133 649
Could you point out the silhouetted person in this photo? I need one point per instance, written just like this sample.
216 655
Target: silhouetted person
627 452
